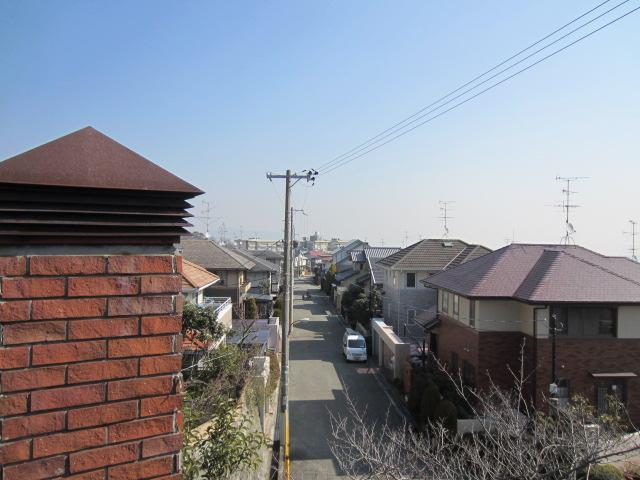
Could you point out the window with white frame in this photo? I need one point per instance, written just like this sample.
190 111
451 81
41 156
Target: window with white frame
456 305
445 301
411 316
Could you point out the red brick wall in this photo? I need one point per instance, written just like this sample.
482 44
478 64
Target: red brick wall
576 360
454 336
89 363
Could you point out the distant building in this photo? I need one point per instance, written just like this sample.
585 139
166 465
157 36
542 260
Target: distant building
253 244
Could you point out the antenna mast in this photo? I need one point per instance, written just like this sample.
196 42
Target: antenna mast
206 214
566 205
445 217
633 234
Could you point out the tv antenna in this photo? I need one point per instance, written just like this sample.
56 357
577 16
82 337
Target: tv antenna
405 239
633 234
566 205
206 216
444 205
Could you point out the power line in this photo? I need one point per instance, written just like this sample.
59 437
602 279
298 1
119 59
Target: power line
339 157
375 145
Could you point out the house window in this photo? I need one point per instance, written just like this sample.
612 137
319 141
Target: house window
445 302
468 374
411 280
454 363
411 316
615 389
472 313
456 305
585 321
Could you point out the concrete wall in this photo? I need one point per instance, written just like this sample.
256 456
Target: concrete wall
391 351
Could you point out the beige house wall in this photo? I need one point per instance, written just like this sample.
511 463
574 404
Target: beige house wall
629 322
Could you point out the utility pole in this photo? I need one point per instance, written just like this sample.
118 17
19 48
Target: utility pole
285 322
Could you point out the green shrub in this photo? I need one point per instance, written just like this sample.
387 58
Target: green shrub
430 400
202 321
418 384
447 414
252 309
604 472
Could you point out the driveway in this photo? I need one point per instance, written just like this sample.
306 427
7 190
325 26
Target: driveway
319 376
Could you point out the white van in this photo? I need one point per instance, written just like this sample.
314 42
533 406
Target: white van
354 346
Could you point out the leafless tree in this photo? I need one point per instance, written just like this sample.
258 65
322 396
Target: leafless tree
510 440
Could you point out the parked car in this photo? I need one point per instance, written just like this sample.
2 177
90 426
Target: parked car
354 346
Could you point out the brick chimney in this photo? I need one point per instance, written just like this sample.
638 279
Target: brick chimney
90 312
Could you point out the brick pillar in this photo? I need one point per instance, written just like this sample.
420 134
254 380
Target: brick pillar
90 360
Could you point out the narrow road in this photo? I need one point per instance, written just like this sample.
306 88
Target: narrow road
319 376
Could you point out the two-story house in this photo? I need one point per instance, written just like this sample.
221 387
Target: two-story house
264 278
231 267
576 312
407 304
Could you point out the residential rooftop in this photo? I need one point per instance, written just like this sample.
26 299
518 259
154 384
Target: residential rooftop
214 256
433 255
546 274
196 277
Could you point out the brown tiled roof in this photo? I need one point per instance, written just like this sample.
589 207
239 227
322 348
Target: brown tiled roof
545 273
89 159
195 276
433 255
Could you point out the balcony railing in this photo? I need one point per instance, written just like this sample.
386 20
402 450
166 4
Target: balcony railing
218 303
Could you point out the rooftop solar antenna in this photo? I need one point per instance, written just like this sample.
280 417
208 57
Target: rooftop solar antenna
633 234
566 205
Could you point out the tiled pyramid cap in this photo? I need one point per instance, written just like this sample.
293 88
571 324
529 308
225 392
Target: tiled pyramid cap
85 188
89 159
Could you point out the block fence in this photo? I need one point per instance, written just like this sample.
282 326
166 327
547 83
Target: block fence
90 356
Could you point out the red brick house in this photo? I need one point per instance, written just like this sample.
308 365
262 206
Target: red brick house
585 303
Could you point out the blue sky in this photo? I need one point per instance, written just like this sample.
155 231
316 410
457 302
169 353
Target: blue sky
221 92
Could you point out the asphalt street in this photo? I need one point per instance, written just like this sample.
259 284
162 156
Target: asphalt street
319 376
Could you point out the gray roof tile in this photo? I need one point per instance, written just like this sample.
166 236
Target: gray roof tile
213 256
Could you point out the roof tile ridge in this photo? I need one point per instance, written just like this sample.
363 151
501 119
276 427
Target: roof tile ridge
457 255
231 254
604 269
406 251
533 267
